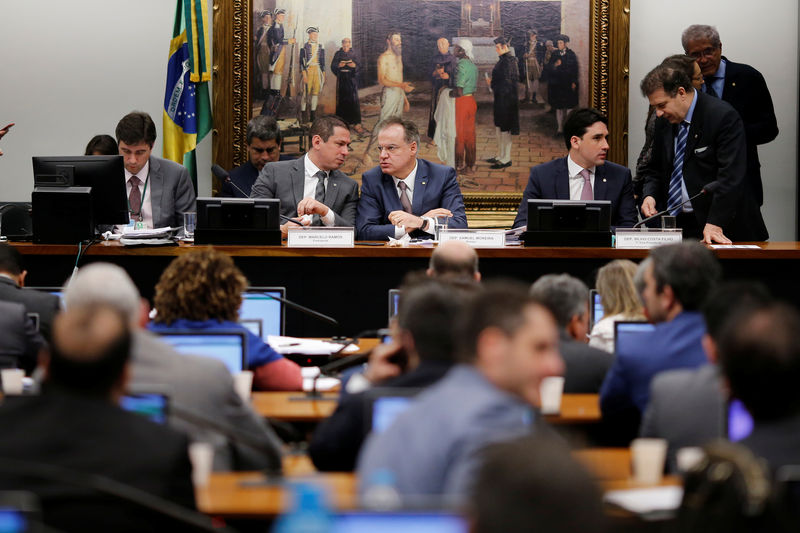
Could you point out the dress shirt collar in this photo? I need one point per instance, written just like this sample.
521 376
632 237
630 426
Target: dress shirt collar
409 180
690 112
142 175
574 169
720 73
311 168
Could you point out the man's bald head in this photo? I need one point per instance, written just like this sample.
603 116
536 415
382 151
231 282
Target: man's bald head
454 259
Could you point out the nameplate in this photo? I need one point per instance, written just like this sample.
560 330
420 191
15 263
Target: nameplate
477 238
321 237
628 238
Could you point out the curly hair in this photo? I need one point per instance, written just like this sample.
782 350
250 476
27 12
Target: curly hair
201 285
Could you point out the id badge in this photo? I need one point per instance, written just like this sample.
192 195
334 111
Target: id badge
138 225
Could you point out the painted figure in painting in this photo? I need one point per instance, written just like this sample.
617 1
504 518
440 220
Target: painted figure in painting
312 65
466 106
277 45
390 76
503 83
345 66
532 60
562 79
263 53
442 75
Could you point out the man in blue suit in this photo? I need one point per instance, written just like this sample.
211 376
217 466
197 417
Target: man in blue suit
405 194
584 174
674 282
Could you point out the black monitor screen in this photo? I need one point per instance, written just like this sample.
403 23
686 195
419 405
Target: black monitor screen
569 215
105 174
238 213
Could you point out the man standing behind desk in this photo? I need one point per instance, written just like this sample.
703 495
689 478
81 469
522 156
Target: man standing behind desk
313 185
263 146
405 194
159 191
698 140
584 174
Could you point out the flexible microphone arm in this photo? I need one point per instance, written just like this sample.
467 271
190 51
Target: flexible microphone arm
303 309
708 189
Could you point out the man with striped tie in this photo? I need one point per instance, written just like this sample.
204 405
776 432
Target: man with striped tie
698 140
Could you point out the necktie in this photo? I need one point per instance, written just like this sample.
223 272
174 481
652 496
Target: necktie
135 198
587 193
709 87
406 203
676 179
319 193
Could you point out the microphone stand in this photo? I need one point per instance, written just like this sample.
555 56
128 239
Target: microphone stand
703 191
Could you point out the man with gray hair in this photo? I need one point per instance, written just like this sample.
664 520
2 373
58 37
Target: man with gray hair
455 260
568 299
263 146
194 384
740 85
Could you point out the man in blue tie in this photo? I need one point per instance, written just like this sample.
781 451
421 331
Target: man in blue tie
698 140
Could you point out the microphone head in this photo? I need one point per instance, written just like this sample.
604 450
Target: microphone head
711 187
219 172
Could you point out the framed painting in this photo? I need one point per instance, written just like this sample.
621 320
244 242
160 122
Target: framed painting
262 49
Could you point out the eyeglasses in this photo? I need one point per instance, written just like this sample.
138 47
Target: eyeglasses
706 52
390 149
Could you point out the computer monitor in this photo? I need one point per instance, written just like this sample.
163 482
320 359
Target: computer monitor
105 174
595 307
261 312
152 405
384 404
394 303
568 223
55 291
238 221
626 333
228 346
399 522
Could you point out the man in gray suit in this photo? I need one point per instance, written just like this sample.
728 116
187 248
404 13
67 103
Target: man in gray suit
568 299
312 187
159 191
195 385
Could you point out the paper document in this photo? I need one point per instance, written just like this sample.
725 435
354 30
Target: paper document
643 501
284 345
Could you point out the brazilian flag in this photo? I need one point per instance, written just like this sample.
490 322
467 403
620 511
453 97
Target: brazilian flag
187 106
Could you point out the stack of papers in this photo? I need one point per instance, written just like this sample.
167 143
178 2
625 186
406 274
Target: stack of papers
138 237
649 501
513 236
287 345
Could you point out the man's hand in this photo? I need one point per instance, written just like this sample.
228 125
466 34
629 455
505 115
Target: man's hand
5 129
285 227
649 206
310 206
407 220
379 368
712 234
438 212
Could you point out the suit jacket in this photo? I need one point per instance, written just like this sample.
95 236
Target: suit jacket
585 366
244 176
171 192
204 386
434 186
687 408
746 90
611 182
715 151
43 303
92 436
285 180
19 341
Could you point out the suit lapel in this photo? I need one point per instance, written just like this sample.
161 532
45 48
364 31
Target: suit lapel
562 180
332 190
390 193
600 183
156 186
696 127
298 177
420 186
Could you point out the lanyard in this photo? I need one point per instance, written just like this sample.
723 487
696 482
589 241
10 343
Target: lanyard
139 214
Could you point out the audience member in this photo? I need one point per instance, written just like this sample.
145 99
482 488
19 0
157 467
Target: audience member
405 194
102 145
12 281
263 141
677 278
507 343
202 290
76 429
620 301
313 185
533 484
159 190
568 299
421 352
199 385
454 260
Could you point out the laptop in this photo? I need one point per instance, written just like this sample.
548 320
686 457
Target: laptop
384 404
56 291
399 522
595 307
626 332
394 303
228 346
260 313
152 405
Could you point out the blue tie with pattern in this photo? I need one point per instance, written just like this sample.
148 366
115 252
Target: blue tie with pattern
676 179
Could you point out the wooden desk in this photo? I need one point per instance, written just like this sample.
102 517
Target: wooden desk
293 406
577 409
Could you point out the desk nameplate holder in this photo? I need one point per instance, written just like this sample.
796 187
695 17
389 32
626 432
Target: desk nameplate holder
321 237
477 238
646 238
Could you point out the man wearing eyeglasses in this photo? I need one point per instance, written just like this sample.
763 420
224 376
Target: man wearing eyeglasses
740 85
404 194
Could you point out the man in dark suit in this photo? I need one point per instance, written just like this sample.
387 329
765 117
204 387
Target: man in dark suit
405 194
698 140
568 299
584 174
76 425
740 85
263 146
12 281
312 187
159 191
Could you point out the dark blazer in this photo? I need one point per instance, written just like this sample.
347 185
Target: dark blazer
611 182
19 341
285 180
434 186
585 366
777 441
93 437
171 192
746 90
715 151
43 303
243 176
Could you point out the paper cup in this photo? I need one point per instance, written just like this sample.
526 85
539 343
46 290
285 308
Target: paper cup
648 456
202 456
243 383
12 380
550 391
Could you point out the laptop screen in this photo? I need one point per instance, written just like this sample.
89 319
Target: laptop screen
150 405
595 306
261 314
740 422
628 332
399 522
228 346
394 303
384 404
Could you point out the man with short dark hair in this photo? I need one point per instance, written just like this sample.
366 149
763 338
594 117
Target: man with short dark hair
698 140
454 260
263 146
313 187
405 194
567 298
507 343
584 174
159 191
12 283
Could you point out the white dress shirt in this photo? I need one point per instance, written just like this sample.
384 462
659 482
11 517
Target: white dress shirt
147 206
399 231
310 188
576 180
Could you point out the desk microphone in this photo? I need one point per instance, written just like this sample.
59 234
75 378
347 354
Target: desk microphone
707 189
222 175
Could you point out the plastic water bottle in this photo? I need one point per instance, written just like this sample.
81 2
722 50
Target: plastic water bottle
309 513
